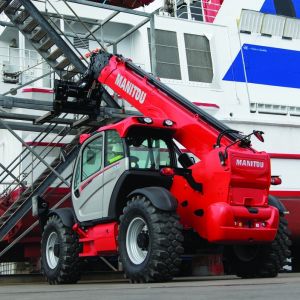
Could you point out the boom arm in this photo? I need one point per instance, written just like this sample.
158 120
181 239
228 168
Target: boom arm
154 99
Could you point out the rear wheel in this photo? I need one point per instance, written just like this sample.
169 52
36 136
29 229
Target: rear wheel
248 261
150 242
60 253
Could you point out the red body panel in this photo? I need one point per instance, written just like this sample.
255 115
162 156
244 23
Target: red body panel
98 240
124 126
227 192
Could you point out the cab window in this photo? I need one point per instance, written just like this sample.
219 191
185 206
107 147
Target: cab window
149 153
91 158
114 147
77 173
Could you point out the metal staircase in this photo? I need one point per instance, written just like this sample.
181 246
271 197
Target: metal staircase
20 207
64 59
43 37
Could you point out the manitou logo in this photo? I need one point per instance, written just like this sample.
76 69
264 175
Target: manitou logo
250 163
131 89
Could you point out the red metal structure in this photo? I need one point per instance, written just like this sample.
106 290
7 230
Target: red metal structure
221 200
211 9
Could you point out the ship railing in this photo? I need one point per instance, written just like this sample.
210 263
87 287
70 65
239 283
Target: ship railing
4 185
8 268
199 10
19 65
26 174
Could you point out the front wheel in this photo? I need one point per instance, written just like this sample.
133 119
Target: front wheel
60 253
150 242
249 261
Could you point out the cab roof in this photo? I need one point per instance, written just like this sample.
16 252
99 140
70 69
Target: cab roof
125 126
137 126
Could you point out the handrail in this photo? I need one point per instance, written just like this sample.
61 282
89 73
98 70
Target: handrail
46 147
207 10
31 227
63 32
83 24
21 154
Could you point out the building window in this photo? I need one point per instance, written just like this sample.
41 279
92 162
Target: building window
81 43
167 56
198 57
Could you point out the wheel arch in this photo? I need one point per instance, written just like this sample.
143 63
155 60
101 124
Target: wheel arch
66 215
160 197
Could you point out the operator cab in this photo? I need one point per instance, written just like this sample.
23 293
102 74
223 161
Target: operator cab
133 150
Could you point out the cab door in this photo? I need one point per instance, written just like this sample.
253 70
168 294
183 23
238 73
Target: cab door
87 183
115 163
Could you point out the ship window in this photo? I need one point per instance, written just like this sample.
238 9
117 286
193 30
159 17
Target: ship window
285 8
198 57
195 9
81 43
167 56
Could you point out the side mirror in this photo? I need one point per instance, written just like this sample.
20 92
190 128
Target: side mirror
259 135
185 160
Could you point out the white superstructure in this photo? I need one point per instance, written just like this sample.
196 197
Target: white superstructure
236 59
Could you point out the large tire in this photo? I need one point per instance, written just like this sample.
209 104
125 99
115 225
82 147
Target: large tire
150 242
60 253
259 260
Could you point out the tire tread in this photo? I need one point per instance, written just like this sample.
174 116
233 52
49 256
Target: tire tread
167 241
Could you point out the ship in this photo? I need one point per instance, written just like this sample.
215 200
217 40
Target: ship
236 59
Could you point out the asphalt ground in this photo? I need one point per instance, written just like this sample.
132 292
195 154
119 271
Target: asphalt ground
285 286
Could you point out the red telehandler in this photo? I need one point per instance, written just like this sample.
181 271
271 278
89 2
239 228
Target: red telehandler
138 195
